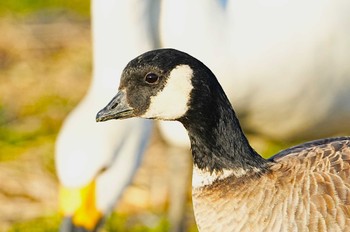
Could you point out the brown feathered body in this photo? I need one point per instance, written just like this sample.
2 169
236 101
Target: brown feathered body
306 188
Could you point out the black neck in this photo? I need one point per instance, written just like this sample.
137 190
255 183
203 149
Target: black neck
217 140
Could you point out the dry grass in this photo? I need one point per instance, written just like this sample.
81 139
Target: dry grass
44 70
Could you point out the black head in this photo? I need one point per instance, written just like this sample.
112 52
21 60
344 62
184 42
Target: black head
171 85
157 84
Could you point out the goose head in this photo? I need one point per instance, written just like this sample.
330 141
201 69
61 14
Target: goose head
157 85
168 84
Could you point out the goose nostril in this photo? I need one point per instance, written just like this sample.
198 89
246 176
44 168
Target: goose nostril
113 106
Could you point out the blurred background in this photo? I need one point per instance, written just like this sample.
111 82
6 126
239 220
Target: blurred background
45 70
45 47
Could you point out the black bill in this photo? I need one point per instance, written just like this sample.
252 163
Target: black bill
117 108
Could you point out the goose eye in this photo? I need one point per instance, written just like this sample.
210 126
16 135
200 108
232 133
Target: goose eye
151 78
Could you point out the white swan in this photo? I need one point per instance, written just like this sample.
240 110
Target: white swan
298 50
91 158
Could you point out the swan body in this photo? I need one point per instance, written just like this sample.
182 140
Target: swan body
90 157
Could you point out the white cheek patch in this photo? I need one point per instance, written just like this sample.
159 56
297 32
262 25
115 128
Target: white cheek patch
171 102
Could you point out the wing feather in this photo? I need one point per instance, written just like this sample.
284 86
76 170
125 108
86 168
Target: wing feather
322 172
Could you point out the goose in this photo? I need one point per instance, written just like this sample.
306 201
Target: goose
303 188
262 39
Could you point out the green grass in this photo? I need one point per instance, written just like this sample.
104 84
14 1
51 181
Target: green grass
30 127
43 224
122 222
116 222
23 7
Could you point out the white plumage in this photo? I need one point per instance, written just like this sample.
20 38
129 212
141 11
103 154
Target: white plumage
108 155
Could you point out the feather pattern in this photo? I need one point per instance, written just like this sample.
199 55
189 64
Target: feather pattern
306 188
